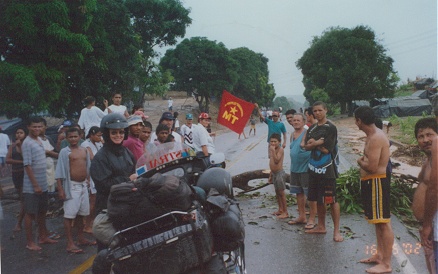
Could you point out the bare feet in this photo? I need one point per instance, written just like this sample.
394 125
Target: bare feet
276 213
47 241
371 260
17 228
88 230
337 237
86 243
33 247
380 268
297 221
283 216
317 230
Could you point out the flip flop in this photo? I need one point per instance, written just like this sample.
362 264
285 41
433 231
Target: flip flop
309 226
75 251
292 222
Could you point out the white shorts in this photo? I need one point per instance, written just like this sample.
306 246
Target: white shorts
79 204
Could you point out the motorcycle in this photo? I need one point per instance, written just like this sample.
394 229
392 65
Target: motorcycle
198 239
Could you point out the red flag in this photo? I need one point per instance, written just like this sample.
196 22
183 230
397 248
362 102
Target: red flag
234 112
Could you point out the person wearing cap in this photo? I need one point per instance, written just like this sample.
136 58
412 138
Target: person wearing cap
202 141
133 143
61 133
117 106
187 130
90 115
167 119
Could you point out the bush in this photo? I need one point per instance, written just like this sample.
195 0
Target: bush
348 195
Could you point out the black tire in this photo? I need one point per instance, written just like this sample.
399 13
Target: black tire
100 264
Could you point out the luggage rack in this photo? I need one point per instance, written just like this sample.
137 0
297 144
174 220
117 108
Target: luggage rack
162 230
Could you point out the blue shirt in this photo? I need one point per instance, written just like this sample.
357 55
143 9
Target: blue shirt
275 127
299 157
34 156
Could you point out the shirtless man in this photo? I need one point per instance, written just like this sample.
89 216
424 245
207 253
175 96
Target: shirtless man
375 190
72 177
425 133
277 174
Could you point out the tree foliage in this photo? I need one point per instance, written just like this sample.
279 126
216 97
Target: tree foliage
54 53
283 102
206 68
253 76
202 67
348 64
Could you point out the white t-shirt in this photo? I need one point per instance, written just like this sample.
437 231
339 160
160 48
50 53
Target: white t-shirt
90 117
187 133
4 143
201 137
116 109
169 103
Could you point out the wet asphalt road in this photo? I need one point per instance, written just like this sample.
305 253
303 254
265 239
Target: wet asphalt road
272 246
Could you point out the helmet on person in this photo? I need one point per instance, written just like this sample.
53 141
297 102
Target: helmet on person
114 120
217 178
204 115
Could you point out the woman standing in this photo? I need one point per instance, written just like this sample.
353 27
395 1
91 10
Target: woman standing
15 158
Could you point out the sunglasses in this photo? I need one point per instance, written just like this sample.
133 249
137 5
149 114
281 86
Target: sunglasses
115 132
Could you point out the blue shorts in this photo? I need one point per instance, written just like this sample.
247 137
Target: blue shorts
299 183
35 203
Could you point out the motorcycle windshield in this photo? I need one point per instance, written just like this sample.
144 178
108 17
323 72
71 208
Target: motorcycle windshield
157 155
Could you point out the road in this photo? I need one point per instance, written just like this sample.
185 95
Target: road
272 246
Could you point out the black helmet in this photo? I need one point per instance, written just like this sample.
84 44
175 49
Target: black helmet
217 178
114 120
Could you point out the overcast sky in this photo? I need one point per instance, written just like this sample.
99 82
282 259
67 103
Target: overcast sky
282 30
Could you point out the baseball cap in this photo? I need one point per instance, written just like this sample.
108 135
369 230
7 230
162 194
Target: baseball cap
189 116
67 123
204 115
167 116
134 119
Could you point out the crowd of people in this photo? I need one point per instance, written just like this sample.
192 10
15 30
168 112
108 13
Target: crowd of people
114 141
86 159
313 173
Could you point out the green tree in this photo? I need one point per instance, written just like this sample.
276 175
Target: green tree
348 64
202 67
54 53
38 43
253 74
282 102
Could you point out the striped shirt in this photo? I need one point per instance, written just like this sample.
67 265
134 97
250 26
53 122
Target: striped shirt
34 156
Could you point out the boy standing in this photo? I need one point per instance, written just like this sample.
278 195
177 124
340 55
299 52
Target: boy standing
187 130
277 174
321 140
72 179
35 198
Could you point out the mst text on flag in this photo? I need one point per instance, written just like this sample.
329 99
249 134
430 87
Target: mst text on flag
234 112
